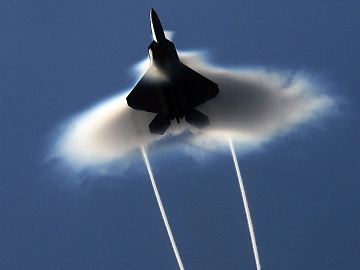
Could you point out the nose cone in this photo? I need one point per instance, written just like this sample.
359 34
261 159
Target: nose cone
156 27
153 14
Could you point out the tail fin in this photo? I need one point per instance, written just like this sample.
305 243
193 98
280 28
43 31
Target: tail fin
196 118
159 124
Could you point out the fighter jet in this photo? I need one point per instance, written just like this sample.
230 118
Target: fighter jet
170 88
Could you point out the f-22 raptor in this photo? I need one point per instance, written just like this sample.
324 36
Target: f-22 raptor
170 88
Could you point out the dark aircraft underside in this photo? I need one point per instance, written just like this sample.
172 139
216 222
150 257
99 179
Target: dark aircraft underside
181 97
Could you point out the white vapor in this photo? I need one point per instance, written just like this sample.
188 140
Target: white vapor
162 210
255 105
246 206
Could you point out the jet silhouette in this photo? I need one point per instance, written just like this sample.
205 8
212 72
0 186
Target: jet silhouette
170 88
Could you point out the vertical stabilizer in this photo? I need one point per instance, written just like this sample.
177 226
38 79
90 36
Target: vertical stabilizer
196 118
159 124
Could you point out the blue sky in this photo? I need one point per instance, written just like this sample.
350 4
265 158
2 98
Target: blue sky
58 59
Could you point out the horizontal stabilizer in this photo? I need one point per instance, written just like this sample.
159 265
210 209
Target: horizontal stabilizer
159 124
196 118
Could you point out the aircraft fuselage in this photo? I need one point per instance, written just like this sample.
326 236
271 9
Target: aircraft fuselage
169 88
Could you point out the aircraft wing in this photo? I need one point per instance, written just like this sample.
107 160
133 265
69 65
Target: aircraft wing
196 87
144 96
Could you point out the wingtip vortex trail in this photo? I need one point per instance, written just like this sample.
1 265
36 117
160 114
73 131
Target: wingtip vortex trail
246 205
162 210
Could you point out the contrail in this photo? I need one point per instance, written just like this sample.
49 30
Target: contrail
246 206
162 210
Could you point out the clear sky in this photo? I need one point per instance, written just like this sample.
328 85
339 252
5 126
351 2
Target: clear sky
58 59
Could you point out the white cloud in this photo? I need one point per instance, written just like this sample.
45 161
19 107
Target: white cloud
254 105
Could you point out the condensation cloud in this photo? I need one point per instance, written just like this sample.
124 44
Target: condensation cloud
255 105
